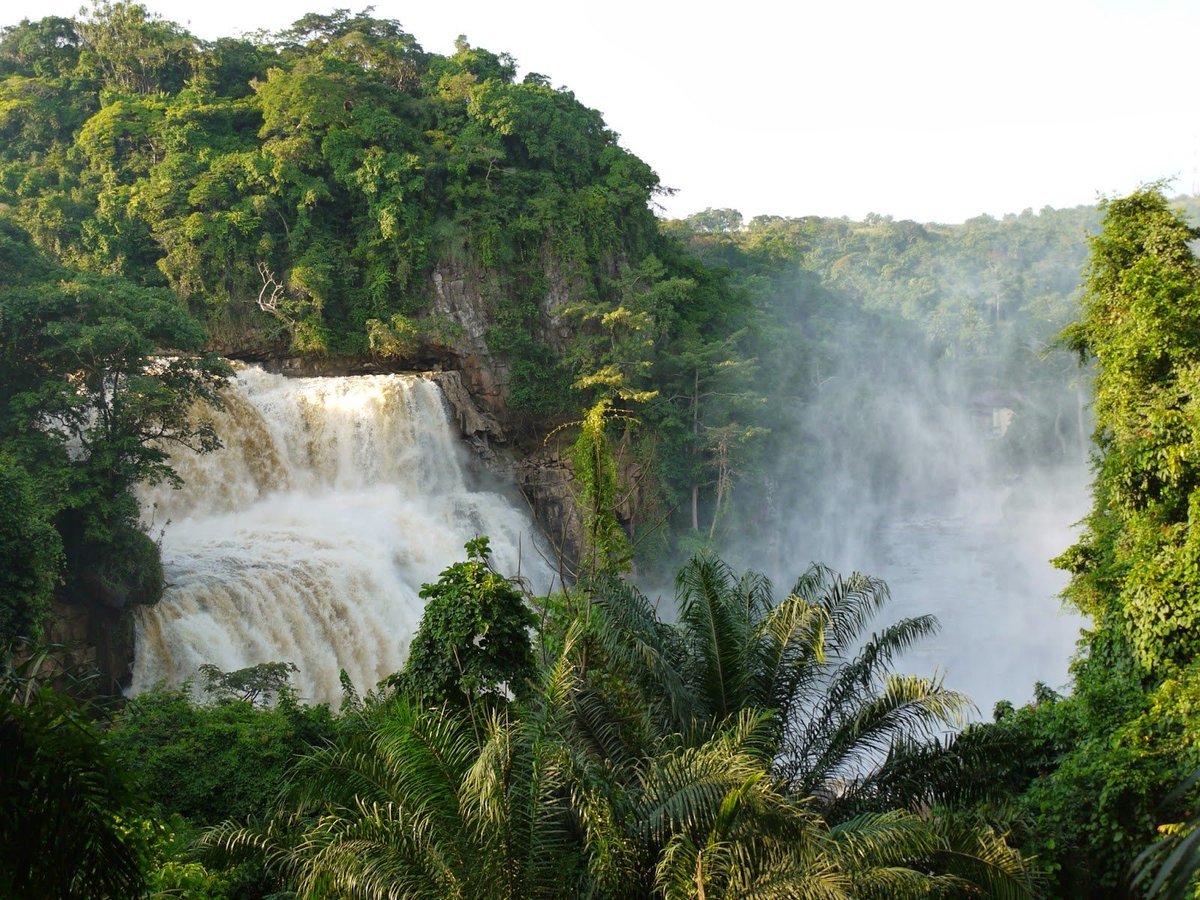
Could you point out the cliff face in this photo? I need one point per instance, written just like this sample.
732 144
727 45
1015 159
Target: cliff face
461 295
538 469
458 298
509 444
478 388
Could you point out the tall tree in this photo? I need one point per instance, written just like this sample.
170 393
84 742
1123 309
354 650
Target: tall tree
473 643
136 51
1114 750
1135 569
98 377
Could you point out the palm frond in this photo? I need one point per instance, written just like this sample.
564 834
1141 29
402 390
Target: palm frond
718 625
1169 867
676 876
63 797
960 770
851 602
879 652
858 737
376 851
979 856
888 838
755 595
790 646
649 653
596 802
684 789
268 842
598 731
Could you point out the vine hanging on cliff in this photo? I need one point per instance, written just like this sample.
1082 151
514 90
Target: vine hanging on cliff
606 546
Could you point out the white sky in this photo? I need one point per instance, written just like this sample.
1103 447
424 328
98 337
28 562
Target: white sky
935 110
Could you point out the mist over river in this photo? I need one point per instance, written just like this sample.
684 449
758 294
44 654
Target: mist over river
918 482
980 563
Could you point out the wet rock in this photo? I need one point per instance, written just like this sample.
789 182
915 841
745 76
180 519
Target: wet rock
545 478
474 424
96 638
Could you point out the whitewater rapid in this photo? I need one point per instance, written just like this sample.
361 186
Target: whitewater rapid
307 538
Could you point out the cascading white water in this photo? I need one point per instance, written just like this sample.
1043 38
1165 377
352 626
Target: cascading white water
307 538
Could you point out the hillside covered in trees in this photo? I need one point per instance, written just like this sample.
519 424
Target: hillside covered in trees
335 191
334 198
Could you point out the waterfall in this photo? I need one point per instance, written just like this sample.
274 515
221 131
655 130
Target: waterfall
307 538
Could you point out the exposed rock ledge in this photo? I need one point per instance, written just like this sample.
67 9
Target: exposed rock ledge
97 638
543 476
478 427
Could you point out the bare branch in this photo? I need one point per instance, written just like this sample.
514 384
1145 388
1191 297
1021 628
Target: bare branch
270 304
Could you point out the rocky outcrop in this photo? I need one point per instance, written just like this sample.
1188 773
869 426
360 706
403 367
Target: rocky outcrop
562 289
478 393
479 429
545 479
458 298
333 365
543 475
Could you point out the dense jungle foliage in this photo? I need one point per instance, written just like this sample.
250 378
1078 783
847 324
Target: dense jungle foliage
760 746
162 197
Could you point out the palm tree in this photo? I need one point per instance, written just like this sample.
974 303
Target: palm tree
855 741
428 802
839 715
711 821
67 805
549 799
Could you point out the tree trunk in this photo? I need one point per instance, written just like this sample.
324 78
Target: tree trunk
1081 414
723 479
